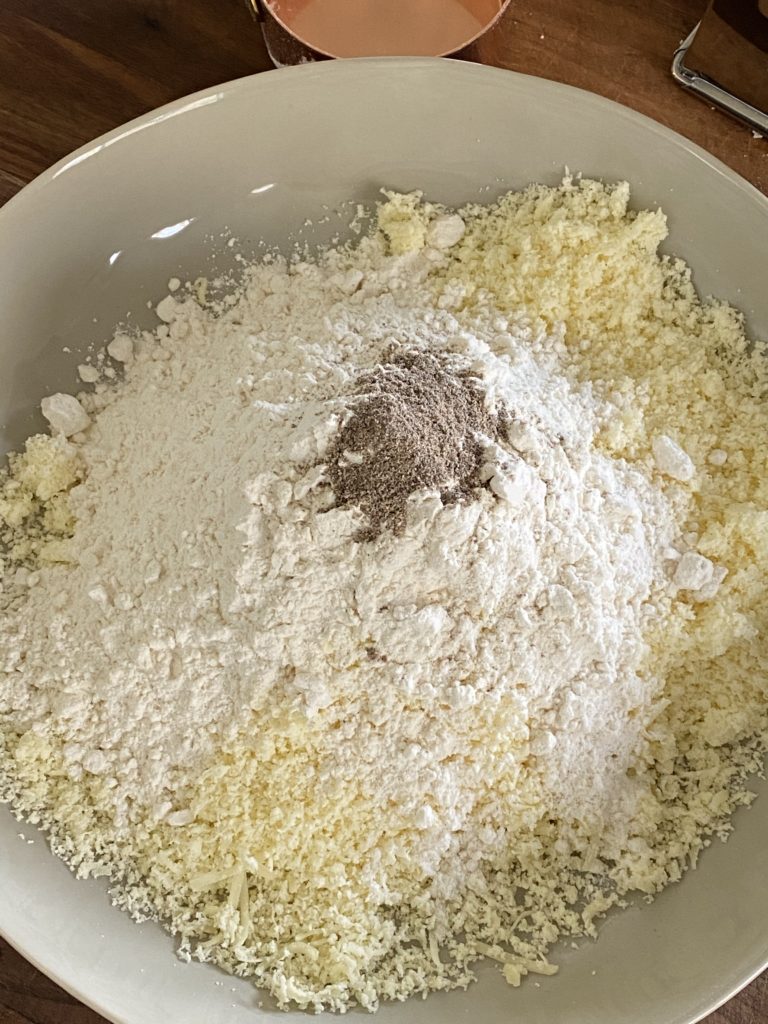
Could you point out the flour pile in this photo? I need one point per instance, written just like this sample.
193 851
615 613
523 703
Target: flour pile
330 630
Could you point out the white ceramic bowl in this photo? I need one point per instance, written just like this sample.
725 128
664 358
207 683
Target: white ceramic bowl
100 233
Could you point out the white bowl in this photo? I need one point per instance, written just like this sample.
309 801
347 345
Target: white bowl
100 233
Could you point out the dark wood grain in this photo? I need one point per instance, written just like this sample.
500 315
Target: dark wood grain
72 69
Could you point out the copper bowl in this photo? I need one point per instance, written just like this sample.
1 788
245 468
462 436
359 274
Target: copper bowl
298 31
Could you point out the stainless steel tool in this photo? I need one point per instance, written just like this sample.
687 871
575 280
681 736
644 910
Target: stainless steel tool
725 60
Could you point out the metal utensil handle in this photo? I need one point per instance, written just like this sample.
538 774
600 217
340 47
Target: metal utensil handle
704 86
256 7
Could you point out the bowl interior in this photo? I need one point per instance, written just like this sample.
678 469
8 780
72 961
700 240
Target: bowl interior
97 237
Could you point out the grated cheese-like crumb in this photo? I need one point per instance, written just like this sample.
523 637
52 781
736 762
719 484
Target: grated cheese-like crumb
404 221
35 520
634 325
271 876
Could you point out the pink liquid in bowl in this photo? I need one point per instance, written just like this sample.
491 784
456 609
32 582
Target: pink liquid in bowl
370 28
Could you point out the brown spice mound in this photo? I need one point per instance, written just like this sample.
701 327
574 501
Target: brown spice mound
416 422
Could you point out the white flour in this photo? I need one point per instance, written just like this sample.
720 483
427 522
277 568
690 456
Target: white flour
428 729
212 577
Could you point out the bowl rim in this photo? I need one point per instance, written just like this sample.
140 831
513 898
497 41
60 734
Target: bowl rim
226 90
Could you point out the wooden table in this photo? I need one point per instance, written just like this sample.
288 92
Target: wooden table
72 69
